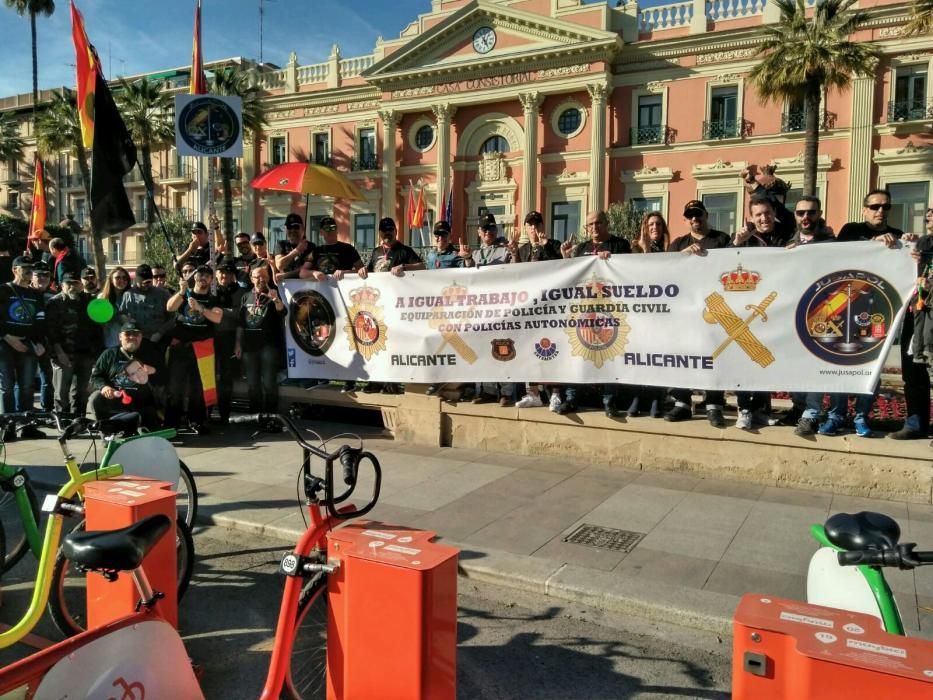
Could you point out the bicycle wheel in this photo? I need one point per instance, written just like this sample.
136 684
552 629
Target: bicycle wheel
307 667
68 597
186 496
12 519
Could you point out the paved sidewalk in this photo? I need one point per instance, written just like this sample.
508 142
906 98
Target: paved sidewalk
706 542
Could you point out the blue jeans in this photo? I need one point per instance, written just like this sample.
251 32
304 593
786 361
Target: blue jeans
839 406
17 374
812 404
261 367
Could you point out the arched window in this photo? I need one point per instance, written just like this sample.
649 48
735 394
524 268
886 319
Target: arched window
495 144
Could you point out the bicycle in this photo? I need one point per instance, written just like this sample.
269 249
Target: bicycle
142 454
110 657
847 571
49 588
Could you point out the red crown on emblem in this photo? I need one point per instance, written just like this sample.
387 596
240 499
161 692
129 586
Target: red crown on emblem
453 293
364 295
739 280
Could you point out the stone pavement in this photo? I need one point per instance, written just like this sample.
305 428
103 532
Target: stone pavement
705 541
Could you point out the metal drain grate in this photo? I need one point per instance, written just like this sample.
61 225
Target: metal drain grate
605 538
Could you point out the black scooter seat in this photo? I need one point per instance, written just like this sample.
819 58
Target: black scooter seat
864 530
115 550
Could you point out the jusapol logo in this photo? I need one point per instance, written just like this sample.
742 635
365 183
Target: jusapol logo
546 349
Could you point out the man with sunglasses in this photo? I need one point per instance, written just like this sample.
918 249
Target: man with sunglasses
875 208
89 280
700 239
22 330
811 228
160 279
261 250
291 254
245 260
198 251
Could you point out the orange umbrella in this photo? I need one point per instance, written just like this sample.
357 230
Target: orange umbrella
307 179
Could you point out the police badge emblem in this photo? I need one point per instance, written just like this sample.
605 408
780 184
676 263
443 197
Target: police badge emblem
503 349
365 328
598 332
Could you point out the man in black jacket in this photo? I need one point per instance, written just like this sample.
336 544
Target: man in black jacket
120 379
74 342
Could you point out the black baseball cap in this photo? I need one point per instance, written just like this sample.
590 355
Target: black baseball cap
88 272
534 218
488 222
227 265
143 272
199 226
23 261
442 228
328 223
41 267
203 268
257 238
293 219
69 277
694 204
387 224
130 326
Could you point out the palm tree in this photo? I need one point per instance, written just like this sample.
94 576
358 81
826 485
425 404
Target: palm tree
33 8
921 17
12 145
240 82
57 130
148 113
802 56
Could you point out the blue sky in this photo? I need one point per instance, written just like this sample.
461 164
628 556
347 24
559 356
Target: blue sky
137 36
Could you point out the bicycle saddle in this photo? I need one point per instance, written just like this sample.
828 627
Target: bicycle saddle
864 530
115 550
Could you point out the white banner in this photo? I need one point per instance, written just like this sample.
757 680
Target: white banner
816 318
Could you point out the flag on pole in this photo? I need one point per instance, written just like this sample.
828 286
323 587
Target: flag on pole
37 218
411 207
449 208
113 153
198 81
417 219
204 354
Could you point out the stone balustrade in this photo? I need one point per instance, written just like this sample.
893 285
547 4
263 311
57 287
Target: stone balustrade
652 19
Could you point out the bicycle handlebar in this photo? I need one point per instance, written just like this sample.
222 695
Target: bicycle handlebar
903 557
350 459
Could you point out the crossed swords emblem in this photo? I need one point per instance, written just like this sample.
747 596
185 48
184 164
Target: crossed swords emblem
737 329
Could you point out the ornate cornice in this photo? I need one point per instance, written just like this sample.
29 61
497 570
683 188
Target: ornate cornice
647 174
390 118
598 92
444 112
531 101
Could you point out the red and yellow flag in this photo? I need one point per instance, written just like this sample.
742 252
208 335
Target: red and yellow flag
411 207
204 352
417 219
198 81
86 69
37 219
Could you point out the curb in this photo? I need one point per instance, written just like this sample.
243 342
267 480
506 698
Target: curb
654 601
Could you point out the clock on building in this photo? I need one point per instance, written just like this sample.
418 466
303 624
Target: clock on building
484 39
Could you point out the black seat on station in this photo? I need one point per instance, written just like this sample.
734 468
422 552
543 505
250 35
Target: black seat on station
116 550
864 530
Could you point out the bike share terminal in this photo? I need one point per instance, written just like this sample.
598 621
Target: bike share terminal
392 621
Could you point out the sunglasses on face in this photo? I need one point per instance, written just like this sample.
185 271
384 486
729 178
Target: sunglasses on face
693 214
806 212
875 207
294 227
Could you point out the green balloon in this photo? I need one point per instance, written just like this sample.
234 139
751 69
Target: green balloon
100 310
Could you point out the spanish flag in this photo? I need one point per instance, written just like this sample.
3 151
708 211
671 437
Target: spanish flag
411 207
417 219
113 153
37 219
198 81
204 353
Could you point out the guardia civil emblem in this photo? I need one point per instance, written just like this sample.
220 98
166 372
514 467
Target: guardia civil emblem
365 327
597 331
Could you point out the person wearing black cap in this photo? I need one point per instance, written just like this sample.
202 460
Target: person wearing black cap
539 246
197 313
41 282
333 257
120 379
443 255
258 244
245 260
89 280
75 341
229 296
291 253
492 249
22 328
198 251
391 255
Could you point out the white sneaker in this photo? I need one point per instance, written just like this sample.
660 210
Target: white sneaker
529 401
555 402
744 421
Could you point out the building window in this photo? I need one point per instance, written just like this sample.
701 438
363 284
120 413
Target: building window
313 229
277 150
365 150
495 144
721 208
723 114
424 137
569 121
113 255
364 231
12 199
142 209
322 148
794 118
910 95
275 232
80 211
646 204
565 220
909 202
650 128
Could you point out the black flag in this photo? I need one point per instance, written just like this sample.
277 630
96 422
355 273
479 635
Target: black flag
113 155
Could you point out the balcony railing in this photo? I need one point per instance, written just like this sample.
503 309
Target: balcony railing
797 121
646 135
726 129
176 172
365 163
74 181
910 110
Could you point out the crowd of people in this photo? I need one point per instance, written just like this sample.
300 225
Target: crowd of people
171 355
